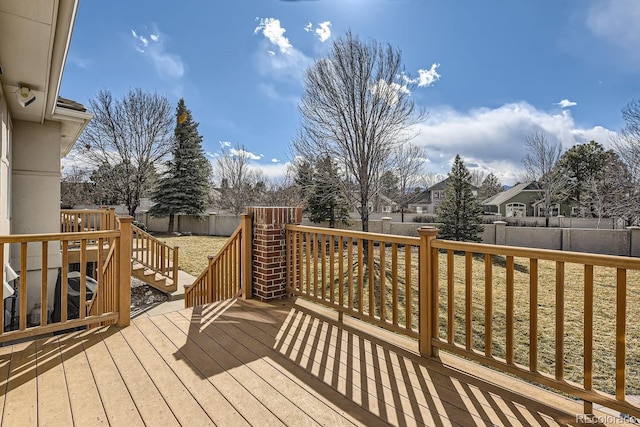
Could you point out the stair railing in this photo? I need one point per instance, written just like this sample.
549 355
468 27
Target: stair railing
155 255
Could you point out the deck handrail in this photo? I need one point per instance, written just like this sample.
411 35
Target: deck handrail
587 389
339 269
44 252
75 220
406 294
155 254
228 273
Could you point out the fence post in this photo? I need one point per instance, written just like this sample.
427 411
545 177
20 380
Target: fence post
124 269
501 232
246 256
426 300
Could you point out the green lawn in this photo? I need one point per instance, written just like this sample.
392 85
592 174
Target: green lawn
194 250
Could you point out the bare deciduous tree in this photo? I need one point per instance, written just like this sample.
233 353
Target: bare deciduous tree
409 162
627 142
357 109
130 134
477 177
237 179
539 164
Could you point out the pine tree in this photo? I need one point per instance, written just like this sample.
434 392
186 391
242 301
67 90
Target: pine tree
460 213
489 188
319 185
184 185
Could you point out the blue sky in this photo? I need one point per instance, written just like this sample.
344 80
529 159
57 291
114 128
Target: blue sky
493 72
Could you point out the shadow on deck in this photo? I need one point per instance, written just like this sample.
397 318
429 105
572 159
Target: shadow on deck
251 363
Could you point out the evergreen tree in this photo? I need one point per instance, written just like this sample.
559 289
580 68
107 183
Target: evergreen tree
184 185
320 187
460 213
490 187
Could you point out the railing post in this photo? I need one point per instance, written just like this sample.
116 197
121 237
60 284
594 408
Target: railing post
175 265
124 271
426 299
246 256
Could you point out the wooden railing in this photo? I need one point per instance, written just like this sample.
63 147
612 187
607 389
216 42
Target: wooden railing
37 258
552 317
370 276
77 220
500 308
229 271
155 255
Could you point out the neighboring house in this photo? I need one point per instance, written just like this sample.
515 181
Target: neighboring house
37 130
378 203
428 201
517 201
523 200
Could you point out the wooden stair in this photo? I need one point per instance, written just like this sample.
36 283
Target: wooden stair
152 262
151 277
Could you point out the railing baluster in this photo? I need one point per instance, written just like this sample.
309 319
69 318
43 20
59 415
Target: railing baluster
488 305
23 286
394 282
332 250
316 236
621 332
533 314
435 277
350 283
308 263
43 283
588 334
408 297
82 304
323 282
559 320
341 271
468 299
360 275
371 278
450 298
383 283
64 281
510 317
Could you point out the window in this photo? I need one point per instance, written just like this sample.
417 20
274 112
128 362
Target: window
419 209
386 209
517 210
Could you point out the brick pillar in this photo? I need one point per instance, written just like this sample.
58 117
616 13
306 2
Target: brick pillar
269 249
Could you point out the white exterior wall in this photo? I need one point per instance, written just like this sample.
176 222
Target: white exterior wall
5 157
35 200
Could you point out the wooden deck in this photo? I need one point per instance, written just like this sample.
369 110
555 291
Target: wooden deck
248 363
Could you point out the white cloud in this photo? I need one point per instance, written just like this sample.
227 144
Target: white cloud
271 170
271 29
618 22
323 31
494 137
245 153
166 64
286 63
388 91
425 77
565 103
428 77
274 160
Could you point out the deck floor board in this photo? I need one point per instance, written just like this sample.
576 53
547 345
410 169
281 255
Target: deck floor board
240 363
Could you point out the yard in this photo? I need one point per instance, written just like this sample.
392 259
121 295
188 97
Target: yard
194 250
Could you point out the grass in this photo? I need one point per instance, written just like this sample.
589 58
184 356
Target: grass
194 250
